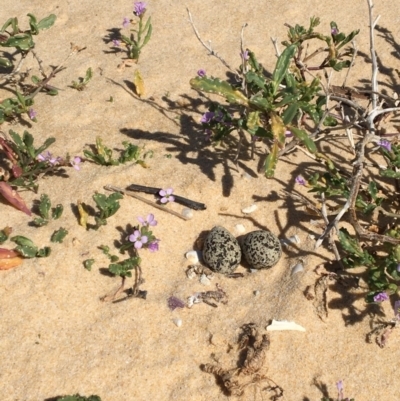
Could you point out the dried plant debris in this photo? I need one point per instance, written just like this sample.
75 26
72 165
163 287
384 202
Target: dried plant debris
199 270
252 355
382 332
208 296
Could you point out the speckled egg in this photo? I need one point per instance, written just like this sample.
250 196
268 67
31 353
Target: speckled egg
221 251
261 249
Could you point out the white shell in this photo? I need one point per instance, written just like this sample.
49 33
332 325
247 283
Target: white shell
178 322
297 268
249 209
294 239
239 229
204 280
188 213
192 257
278 325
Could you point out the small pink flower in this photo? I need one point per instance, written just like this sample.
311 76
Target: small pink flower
153 245
126 22
75 163
32 114
138 239
149 220
166 195
300 180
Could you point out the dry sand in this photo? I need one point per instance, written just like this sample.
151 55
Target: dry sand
57 337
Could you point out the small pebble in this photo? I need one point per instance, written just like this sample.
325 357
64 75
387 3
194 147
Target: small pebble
239 229
256 293
188 213
249 209
178 322
192 257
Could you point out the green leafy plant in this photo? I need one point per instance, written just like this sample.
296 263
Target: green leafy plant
107 207
273 107
45 209
104 155
11 36
88 263
28 249
139 37
59 235
82 83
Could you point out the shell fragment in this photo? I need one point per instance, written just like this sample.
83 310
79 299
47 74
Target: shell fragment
249 209
281 325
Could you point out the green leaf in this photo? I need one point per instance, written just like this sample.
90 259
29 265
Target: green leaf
290 113
282 65
57 212
390 173
40 222
304 137
44 206
48 142
77 397
222 88
47 22
253 78
271 161
21 41
373 190
25 246
59 235
5 62
124 268
148 34
33 24
88 263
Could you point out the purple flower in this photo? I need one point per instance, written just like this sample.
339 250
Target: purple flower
149 220
300 180
47 157
126 22
32 114
334 31
75 163
153 245
138 239
255 138
167 195
245 55
380 297
385 144
207 117
116 42
201 73
398 268
139 8
288 134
